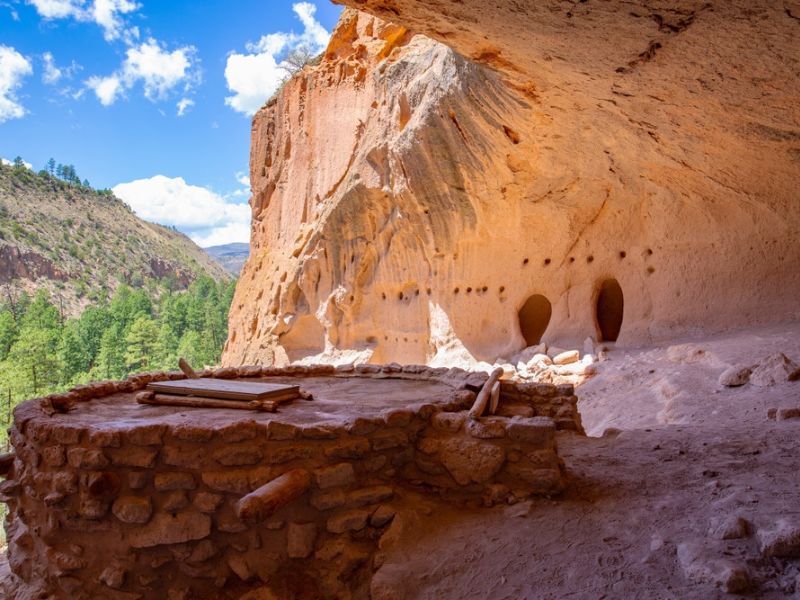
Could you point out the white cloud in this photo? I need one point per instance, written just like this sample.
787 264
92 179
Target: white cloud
183 105
52 74
159 71
206 216
107 89
7 162
105 13
255 76
13 69
227 234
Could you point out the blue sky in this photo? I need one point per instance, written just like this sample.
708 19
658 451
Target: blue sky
153 99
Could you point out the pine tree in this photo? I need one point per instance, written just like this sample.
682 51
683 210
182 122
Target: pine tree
51 167
140 344
110 362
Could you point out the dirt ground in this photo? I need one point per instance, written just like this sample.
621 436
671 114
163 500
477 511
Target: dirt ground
681 461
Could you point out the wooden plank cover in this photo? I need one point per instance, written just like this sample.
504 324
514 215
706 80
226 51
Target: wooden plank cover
226 389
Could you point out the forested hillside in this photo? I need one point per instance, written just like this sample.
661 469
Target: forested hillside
81 244
42 350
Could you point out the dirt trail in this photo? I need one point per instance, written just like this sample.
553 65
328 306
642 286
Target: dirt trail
687 456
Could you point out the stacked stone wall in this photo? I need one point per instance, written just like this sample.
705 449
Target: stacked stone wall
124 510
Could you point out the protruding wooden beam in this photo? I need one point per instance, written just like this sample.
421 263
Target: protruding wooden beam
187 369
479 406
494 401
262 503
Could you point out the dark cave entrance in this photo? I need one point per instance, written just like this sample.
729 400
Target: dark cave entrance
610 307
534 317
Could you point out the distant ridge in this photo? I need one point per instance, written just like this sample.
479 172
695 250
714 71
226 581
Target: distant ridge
231 256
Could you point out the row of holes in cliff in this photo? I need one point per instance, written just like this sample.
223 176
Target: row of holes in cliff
609 307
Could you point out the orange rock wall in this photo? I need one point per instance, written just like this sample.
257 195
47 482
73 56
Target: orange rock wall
408 201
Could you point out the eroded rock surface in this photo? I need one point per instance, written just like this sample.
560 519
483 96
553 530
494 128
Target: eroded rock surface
408 202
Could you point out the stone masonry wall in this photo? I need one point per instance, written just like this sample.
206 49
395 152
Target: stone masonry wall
129 511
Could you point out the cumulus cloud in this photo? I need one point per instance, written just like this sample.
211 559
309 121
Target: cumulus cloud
7 162
255 76
209 218
105 13
13 69
159 71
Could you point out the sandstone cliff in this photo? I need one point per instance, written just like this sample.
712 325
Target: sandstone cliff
409 202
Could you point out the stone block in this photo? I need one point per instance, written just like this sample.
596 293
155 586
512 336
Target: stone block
175 501
237 481
386 440
147 435
370 495
137 479
86 458
132 509
174 481
105 439
166 528
348 448
238 432
375 463
470 461
236 456
192 458
535 430
278 456
207 502
362 426
66 435
382 516
300 539
190 433
351 520
334 476
204 550
282 431
321 432
451 422
54 456
328 500
487 428
144 458
398 417
536 480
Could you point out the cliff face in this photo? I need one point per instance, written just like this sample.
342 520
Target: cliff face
410 202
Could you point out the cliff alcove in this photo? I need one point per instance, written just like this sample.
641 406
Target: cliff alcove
610 309
534 317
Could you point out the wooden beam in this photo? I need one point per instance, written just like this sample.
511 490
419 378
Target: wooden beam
479 406
262 503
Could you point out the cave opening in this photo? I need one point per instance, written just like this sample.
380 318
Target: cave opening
534 317
609 310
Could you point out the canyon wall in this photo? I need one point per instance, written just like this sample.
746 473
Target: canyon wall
411 196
